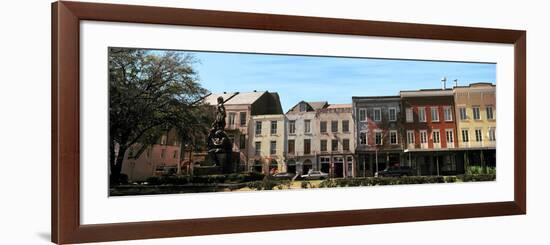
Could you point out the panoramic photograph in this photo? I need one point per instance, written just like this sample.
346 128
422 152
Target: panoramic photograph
195 121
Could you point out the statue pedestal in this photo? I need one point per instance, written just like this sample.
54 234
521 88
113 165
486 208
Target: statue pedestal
217 163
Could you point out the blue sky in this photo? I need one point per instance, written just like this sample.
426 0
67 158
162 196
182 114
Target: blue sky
331 79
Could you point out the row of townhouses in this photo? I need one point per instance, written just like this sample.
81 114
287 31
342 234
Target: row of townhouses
434 131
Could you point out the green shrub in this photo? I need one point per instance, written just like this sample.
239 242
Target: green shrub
209 179
491 170
475 170
305 184
375 181
450 179
266 184
477 177
253 176
328 183
175 180
153 181
168 180
244 177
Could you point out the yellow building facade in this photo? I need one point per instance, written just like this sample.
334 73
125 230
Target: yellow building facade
476 121
267 143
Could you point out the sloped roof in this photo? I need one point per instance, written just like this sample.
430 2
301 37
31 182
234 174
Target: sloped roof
243 98
337 106
316 105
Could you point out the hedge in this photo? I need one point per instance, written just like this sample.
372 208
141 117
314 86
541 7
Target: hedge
374 181
206 179
268 184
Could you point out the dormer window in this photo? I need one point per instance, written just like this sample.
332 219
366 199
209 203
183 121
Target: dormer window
303 107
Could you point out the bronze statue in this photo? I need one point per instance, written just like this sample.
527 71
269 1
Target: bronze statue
219 122
218 143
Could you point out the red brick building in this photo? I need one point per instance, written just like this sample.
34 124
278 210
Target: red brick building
429 128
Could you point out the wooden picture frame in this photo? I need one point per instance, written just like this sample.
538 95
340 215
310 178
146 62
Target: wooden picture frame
66 227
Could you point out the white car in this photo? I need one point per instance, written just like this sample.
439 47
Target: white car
314 174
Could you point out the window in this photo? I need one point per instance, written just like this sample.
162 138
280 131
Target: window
303 107
362 115
392 114
323 145
162 153
476 113
291 145
345 126
273 127
463 115
449 136
435 136
423 137
258 127
378 138
334 126
292 127
345 144
492 134
175 154
377 115
393 137
242 141
421 114
273 147
323 126
307 146
242 117
435 114
465 135
410 137
448 114
490 115
334 145
232 117
363 138
409 114
479 136
307 126
258 146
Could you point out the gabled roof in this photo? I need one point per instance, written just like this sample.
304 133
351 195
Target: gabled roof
339 106
316 105
244 98
313 106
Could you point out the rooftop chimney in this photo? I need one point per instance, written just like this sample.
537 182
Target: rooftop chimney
456 82
443 83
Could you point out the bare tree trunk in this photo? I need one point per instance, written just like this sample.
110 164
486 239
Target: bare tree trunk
116 168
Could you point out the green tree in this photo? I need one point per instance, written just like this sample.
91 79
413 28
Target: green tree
151 92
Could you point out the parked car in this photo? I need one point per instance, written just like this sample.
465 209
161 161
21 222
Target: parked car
395 171
165 170
284 175
314 174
